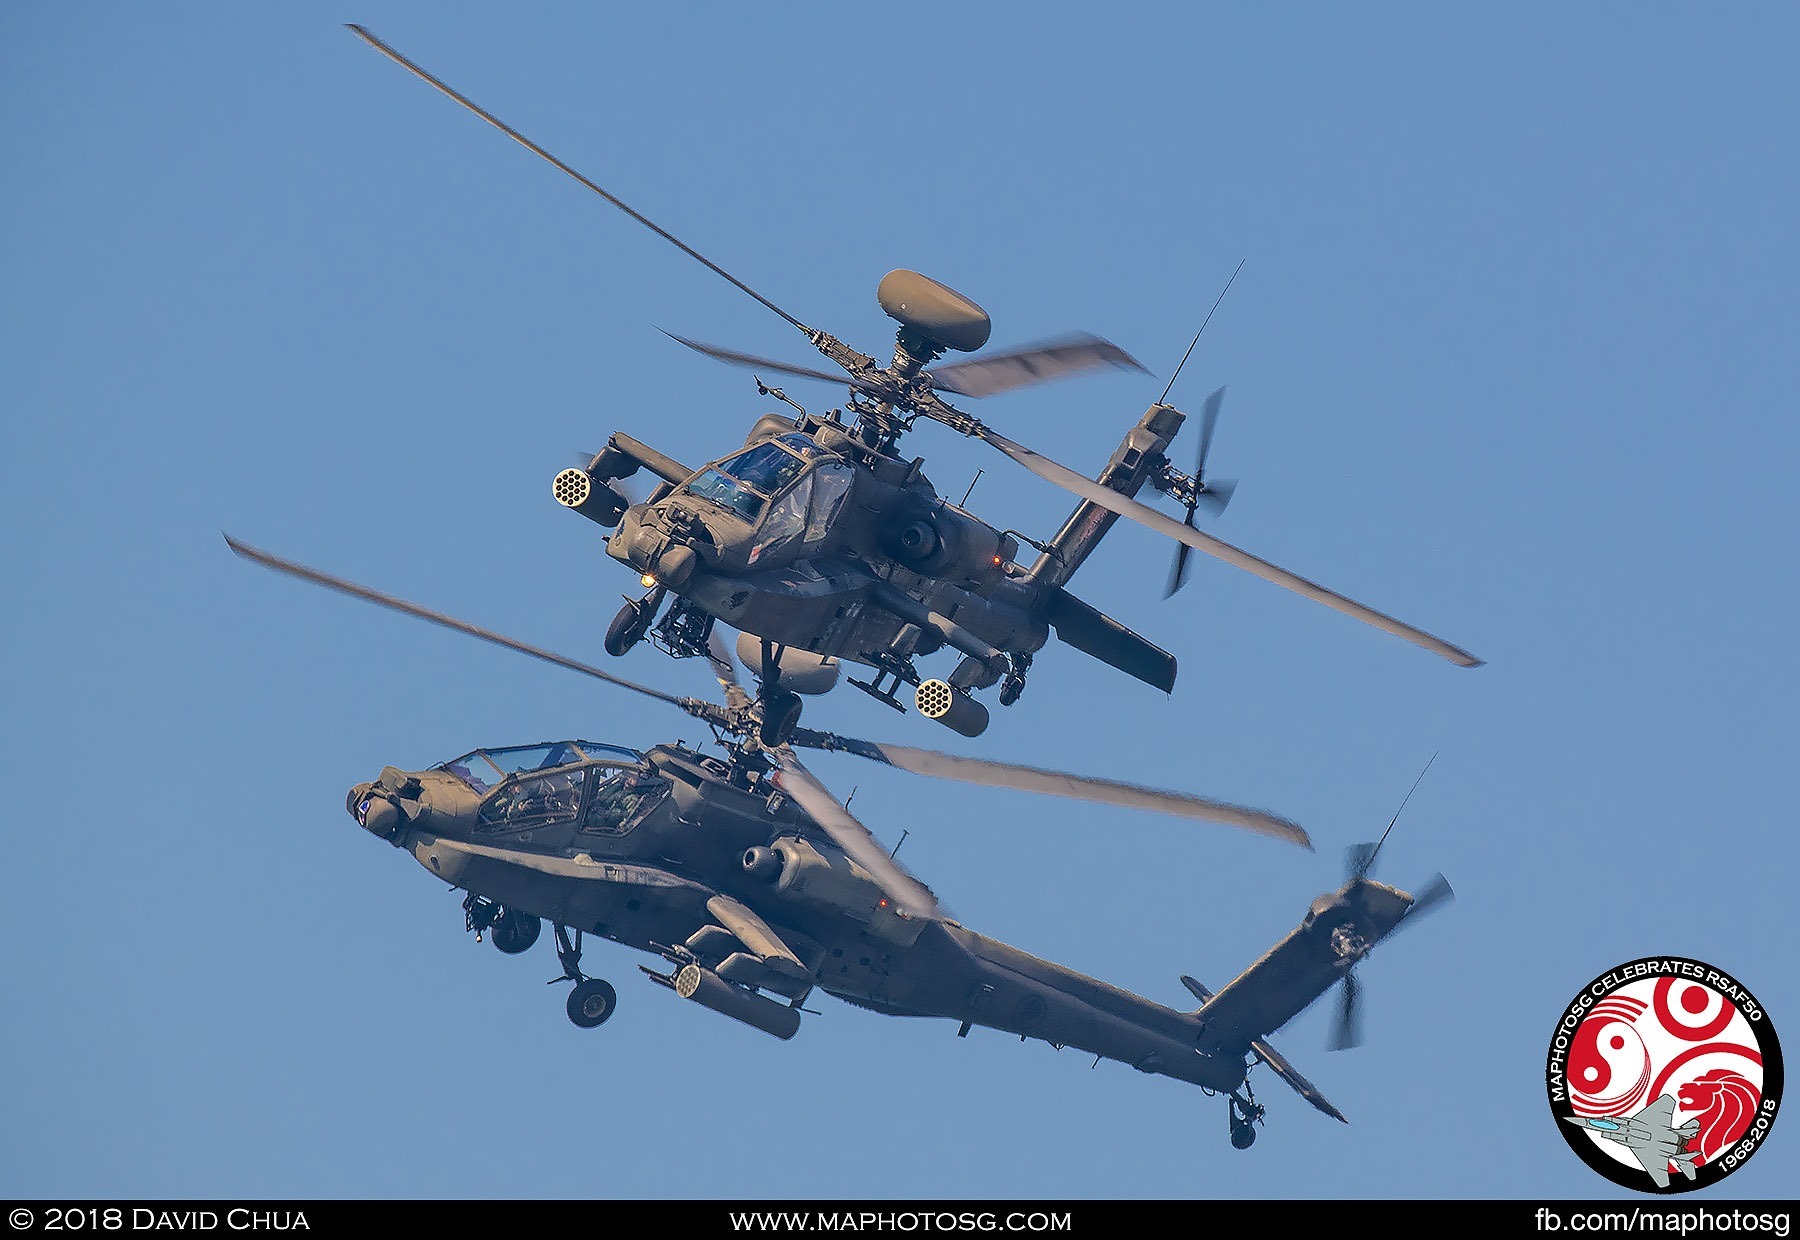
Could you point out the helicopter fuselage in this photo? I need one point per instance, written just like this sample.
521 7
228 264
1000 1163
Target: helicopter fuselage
813 540
705 864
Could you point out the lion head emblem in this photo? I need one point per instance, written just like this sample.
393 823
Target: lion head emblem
1725 1102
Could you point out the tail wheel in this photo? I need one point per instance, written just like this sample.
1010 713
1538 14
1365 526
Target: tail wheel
1245 1114
592 1002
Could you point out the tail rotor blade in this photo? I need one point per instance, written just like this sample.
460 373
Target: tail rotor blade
1215 495
1209 419
1178 569
1359 859
1436 893
1346 1031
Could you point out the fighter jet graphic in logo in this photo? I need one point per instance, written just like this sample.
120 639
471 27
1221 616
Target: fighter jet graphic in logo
1649 1137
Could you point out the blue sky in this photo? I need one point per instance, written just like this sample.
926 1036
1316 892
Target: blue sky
1510 357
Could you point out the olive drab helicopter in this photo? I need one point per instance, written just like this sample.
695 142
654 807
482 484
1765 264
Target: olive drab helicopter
755 887
819 542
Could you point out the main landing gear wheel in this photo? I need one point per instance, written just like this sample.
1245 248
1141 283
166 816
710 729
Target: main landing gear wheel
780 716
629 626
515 931
593 998
591 1002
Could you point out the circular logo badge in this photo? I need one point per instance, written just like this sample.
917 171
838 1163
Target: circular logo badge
1664 1075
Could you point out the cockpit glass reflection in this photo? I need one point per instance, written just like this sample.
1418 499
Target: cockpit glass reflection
538 801
745 482
727 493
623 801
473 769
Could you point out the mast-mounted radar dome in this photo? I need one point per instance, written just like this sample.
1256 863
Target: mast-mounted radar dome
935 311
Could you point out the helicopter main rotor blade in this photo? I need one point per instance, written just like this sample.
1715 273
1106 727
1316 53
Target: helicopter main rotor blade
1038 363
539 151
724 665
734 358
1112 501
1057 783
907 892
292 569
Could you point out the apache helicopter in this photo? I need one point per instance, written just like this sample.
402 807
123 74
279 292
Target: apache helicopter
817 537
756 887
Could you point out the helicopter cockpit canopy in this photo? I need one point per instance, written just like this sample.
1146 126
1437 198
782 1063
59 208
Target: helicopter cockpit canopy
530 786
483 769
788 486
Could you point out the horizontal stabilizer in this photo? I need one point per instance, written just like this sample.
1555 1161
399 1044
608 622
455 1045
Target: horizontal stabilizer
1099 635
1300 1085
1278 1064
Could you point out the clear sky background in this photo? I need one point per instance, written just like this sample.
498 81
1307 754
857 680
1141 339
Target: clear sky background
1511 357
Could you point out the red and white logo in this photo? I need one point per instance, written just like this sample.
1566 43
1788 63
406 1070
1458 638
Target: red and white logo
1664 1074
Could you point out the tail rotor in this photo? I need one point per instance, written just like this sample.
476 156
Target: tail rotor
1212 495
1359 866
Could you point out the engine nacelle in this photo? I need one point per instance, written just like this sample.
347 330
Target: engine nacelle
821 874
799 670
946 542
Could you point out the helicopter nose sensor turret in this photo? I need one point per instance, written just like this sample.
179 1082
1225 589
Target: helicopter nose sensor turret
373 812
